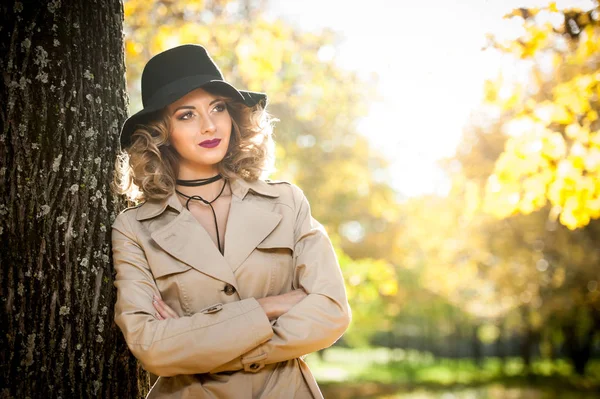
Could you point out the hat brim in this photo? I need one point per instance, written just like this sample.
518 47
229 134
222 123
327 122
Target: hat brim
178 89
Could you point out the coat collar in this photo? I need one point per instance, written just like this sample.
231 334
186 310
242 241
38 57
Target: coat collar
239 188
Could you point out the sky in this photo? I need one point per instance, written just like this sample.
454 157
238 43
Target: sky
431 69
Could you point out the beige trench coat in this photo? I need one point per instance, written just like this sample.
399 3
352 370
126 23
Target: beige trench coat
223 345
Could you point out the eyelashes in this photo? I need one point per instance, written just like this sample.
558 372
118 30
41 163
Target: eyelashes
219 108
182 117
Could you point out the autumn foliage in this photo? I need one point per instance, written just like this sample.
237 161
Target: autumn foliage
510 253
552 156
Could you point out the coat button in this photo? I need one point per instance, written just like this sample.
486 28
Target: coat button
212 309
229 289
254 366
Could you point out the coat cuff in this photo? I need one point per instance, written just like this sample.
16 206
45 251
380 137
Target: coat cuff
261 328
257 320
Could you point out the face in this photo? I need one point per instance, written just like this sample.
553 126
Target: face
200 131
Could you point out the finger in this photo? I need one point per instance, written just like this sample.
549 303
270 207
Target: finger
161 310
170 311
167 311
300 293
294 296
161 306
158 316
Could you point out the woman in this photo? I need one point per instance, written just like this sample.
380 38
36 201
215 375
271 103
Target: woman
224 281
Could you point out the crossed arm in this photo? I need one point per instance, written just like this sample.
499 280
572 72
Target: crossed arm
273 306
276 328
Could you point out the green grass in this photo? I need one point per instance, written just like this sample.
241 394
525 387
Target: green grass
388 371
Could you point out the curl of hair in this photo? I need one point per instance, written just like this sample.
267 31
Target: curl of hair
148 168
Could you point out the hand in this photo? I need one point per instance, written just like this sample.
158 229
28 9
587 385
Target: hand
163 311
275 306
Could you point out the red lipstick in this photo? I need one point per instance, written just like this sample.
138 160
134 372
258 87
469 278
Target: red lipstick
210 143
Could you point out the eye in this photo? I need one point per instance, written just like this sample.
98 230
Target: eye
185 115
220 107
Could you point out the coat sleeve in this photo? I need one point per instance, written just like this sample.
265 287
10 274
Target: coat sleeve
186 345
321 318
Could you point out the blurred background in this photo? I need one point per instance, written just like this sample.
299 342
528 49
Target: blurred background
452 151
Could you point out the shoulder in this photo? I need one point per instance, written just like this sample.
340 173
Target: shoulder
276 182
277 191
123 220
130 208
287 192
292 196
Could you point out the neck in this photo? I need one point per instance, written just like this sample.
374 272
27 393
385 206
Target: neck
193 172
207 191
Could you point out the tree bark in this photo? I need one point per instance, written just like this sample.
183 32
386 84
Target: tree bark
63 100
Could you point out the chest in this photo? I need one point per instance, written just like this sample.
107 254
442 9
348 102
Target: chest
192 274
212 218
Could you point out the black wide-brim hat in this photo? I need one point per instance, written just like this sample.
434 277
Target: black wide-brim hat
172 74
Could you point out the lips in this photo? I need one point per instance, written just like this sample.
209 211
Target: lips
210 143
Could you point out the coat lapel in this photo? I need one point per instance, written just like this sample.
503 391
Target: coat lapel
247 226
185 239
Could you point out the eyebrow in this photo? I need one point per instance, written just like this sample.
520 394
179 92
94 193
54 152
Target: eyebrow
192 107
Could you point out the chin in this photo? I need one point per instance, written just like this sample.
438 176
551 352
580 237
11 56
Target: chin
214 159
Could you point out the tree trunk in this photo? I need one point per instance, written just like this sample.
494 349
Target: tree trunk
500 345
577 349
62 99
578 344
476 345
528 340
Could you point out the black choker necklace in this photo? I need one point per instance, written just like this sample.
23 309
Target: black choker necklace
201 182
198 182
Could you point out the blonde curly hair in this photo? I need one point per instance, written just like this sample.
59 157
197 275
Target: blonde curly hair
148 168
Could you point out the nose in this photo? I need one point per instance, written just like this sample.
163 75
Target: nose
208 126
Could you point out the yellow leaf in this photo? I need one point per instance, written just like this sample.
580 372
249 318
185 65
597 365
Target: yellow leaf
471 198
595 138
593 208
554 146
567 218
592 160
535 193
557 192
128 9
561 115
132 48
577 155
490 89
583 19
388 288
578 133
